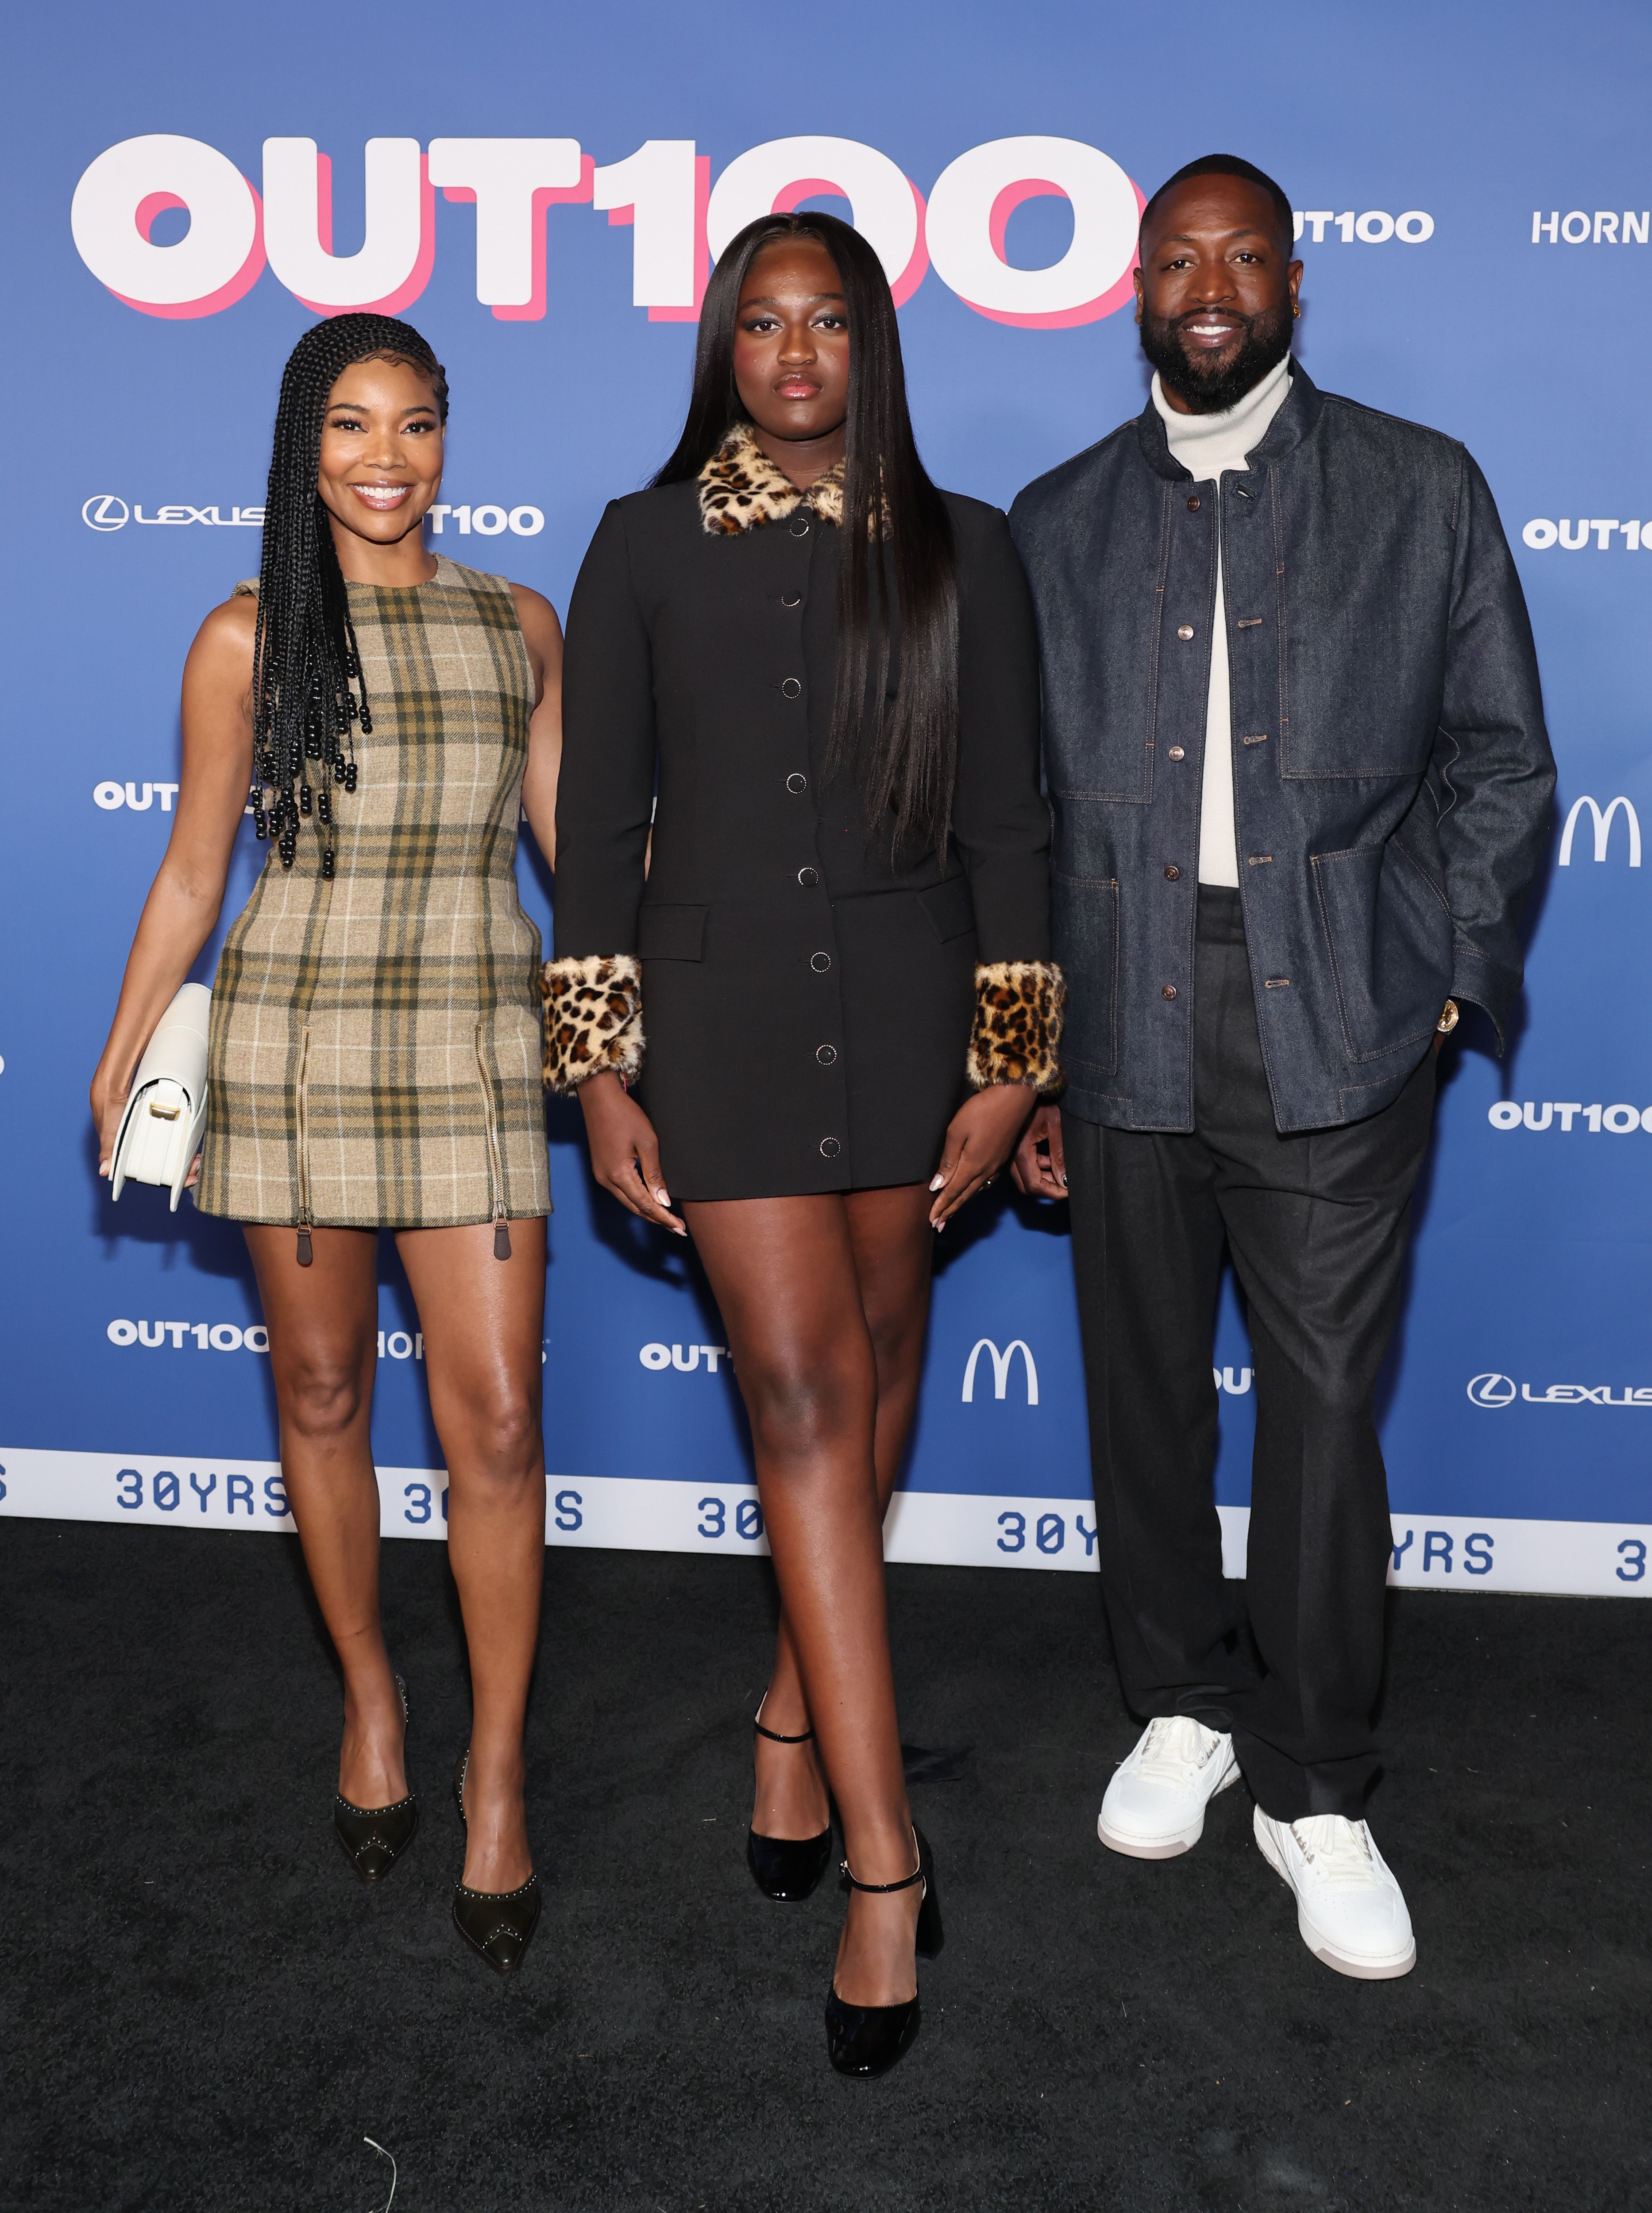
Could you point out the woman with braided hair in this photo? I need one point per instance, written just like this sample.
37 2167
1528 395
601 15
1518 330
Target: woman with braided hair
375 1059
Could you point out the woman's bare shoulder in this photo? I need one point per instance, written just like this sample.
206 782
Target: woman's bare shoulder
223 644
235 619
534 610
539 624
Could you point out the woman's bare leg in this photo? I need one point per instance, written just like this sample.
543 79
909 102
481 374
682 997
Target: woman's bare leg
893 1243
323 1322
784 1276
484 1321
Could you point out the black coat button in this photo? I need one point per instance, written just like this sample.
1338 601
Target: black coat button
825 1054
797 783
791 598
799 525
830 1147
820 962
808 878
791 689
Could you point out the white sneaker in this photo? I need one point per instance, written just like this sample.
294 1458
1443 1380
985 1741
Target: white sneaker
1155 1802
1350 1911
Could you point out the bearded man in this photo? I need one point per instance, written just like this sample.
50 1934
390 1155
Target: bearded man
1294 748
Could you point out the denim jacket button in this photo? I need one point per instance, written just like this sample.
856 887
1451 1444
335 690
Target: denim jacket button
1167 991
1178 752
1185 630
1172 874
1193 504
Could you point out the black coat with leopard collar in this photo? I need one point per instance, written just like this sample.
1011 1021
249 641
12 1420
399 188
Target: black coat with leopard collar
813 1006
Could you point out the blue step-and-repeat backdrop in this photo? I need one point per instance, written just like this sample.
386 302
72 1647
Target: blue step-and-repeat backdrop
539 188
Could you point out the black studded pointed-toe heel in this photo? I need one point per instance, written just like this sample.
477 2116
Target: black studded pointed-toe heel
867 2040
374 1837
787 1869
498 1926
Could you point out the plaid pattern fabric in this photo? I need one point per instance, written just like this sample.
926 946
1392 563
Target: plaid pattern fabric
374 1051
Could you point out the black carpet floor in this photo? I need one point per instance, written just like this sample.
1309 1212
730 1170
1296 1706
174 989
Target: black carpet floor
202 2008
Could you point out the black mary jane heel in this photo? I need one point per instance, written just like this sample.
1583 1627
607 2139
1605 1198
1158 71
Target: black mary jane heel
787 1869
498 1926
374 1837
867 2040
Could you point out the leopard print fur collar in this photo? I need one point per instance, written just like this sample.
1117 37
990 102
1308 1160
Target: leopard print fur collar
741 487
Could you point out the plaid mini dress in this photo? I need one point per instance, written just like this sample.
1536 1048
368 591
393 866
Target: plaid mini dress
373 1059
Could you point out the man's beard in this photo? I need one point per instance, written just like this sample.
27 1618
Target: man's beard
1208 390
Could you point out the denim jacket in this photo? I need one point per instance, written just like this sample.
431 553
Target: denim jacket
1392 772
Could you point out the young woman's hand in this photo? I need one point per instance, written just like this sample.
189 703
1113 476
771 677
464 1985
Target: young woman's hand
108 1105
1041 1174
980 1139
625 1151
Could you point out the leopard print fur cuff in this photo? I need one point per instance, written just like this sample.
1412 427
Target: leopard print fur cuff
1018 1009
592 1019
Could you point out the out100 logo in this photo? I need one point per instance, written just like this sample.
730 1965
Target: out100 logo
126 204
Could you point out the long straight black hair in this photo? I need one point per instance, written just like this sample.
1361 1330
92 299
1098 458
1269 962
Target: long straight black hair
304 656
903 755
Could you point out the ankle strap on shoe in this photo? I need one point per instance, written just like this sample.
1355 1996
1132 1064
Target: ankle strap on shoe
882 1888
774 1734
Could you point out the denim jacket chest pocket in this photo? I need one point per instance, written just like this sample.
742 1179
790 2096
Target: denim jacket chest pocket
1348 662
1100 628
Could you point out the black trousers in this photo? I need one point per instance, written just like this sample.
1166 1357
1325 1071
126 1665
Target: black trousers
1290 1660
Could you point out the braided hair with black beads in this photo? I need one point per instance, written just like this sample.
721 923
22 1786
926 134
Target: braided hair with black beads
304 656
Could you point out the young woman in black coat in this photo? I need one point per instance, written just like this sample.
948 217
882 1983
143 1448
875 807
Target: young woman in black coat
825 672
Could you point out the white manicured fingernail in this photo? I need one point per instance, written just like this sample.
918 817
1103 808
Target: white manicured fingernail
936 1182
664 1197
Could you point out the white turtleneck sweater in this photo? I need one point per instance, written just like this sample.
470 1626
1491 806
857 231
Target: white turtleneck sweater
1206 445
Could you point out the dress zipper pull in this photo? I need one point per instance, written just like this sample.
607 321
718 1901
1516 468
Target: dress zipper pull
501 1239
305 1255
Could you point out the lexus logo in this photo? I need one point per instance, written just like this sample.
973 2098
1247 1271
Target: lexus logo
1492 1391
104 511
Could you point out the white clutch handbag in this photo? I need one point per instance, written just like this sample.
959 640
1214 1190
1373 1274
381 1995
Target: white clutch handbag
160 1131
